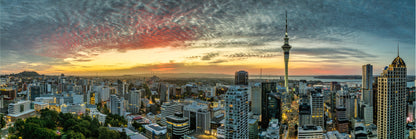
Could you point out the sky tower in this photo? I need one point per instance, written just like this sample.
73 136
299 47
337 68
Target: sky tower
286 47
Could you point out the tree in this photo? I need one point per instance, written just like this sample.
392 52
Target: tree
74 135
147 90
136 125
95 124
69 123
19 125
2 121
105 133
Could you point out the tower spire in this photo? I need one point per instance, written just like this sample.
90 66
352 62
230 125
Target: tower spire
286 24
398 47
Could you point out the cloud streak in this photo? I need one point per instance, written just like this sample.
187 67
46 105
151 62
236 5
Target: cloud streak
49 31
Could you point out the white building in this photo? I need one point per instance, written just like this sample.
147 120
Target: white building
94 113
310 132
73 108
155 131
302 87
40 105
46 99
78 99
391 101
236 112
117 105
20 109
134 101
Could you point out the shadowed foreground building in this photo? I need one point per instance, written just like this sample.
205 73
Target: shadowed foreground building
266 89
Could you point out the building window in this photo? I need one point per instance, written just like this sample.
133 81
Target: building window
22 108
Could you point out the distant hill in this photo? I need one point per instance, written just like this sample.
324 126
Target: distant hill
28 73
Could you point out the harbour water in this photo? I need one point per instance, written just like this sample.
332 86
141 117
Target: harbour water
312 78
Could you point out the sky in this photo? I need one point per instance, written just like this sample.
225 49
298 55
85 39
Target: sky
119 37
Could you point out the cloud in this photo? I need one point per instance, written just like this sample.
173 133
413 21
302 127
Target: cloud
219 61
331 53
46 31
209 56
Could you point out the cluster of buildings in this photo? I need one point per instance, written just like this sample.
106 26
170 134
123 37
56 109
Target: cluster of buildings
381 107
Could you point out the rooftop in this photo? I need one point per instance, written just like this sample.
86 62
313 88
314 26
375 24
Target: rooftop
155 128
398 62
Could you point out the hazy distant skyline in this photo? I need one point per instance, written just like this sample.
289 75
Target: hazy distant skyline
83 37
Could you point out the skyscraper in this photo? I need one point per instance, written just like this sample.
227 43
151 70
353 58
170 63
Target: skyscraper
286 47
241 77
367 87
256 99
366 103
317 103
236 113
266 89
305 114
391 111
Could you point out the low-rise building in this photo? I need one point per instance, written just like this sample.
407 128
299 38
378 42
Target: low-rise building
94 113
40 105
73 108
310 131
177 125
155 131
20 109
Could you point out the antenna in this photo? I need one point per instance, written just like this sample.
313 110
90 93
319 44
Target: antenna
398 47
286 21
261 73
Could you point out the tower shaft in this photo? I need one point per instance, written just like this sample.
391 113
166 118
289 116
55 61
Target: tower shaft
286 71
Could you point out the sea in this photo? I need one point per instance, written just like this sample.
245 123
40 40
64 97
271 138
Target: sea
311 78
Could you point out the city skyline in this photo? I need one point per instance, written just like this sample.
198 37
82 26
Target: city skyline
119 38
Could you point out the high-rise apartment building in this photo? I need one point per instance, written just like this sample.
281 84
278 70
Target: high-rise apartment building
117 105
236 113
391 111
134 101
